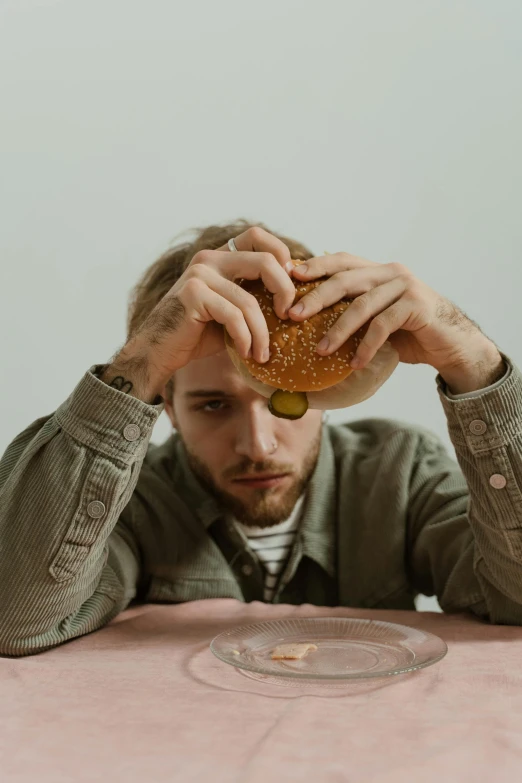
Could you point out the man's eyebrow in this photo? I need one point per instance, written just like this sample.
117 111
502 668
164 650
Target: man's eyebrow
207 393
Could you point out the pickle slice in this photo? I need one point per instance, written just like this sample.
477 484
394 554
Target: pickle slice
288 405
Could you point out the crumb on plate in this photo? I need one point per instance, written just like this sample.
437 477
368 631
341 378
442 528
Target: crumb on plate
292 652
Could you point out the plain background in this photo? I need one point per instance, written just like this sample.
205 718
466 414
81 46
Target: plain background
388 129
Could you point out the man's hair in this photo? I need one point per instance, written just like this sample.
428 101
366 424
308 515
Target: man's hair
166 271
163 273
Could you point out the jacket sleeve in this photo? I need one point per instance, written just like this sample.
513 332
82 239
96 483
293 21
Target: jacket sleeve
66 568
465 526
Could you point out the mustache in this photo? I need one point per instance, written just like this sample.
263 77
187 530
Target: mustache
248 468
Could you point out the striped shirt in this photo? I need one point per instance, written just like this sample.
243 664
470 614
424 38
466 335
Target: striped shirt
273 545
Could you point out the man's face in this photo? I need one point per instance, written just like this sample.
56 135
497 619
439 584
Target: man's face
229 435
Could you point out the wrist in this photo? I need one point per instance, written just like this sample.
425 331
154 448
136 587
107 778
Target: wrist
482 368
132 372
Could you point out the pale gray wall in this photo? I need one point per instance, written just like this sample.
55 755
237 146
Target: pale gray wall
388 129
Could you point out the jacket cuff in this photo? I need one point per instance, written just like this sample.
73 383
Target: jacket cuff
107 420
487 420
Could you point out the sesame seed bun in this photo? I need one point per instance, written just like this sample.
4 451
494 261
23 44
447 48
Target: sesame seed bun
294 364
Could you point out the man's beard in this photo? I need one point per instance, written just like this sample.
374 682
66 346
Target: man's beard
266 507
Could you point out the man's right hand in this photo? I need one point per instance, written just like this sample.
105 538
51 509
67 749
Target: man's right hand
186 324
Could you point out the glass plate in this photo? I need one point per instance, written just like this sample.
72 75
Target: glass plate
347 648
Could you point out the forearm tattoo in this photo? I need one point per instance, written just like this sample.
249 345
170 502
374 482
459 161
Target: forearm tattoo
121 384
117 374
162 320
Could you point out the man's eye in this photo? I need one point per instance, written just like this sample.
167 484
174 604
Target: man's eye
213 405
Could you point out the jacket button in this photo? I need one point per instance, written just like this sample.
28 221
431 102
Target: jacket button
478 427
247 570
96 509
497 481
131 432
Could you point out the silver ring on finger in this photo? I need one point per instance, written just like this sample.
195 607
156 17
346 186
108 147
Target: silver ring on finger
232 245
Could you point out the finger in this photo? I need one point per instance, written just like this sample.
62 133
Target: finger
252 265
329 264
340 286
259 240
381 327
211 306
359 312
258 337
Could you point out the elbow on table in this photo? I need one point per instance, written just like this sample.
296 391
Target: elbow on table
21 638
499 612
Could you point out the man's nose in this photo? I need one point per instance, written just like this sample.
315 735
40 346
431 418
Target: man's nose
255 438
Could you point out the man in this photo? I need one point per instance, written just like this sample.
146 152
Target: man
242 504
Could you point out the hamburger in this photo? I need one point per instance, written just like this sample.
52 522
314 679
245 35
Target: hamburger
295 373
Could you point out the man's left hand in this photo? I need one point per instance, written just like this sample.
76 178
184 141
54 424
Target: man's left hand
423 326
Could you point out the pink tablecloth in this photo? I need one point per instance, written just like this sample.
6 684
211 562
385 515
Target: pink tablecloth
145 700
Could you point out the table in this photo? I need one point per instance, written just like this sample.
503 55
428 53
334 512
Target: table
145 700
